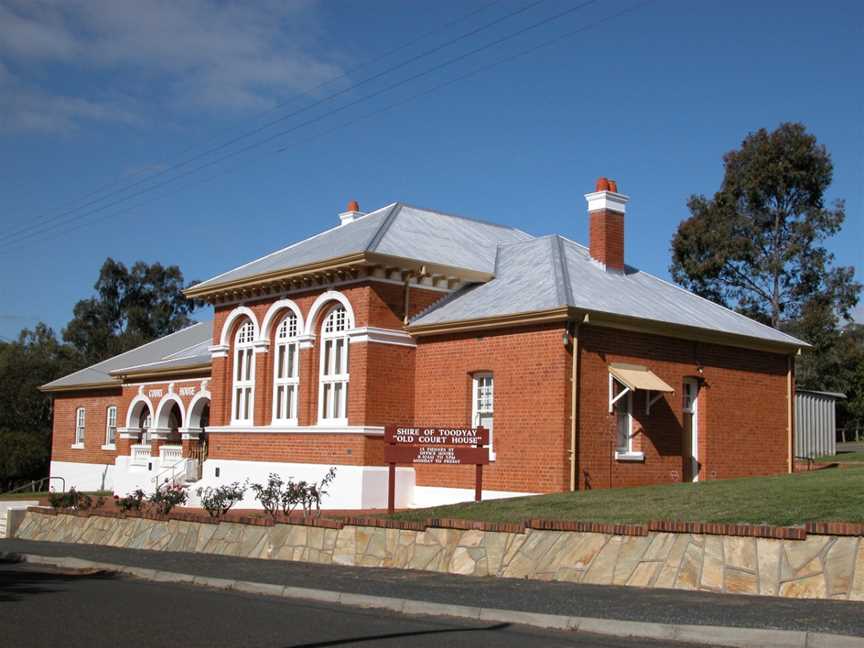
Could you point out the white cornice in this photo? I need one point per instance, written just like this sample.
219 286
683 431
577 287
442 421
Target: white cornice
366 430
607 200
381 336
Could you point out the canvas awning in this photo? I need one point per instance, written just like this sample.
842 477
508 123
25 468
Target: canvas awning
638 377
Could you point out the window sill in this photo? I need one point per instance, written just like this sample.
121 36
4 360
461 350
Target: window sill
629 456
77 446
109 446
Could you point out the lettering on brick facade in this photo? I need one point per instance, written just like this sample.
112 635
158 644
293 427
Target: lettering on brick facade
155 393
187 391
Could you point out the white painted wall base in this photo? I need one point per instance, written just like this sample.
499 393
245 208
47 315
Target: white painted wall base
355 487
82 476
440 496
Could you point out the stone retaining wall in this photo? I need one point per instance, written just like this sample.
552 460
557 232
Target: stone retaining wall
819 566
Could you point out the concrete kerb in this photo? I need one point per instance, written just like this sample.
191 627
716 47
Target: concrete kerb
731 637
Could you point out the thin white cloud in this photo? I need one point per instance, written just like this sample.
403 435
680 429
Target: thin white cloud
858 313
159 54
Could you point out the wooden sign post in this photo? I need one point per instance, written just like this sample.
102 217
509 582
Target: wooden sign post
446 446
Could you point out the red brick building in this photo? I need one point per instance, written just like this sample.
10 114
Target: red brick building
589 372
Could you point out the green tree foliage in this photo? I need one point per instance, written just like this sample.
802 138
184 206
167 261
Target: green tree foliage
25 413
756 246
132 306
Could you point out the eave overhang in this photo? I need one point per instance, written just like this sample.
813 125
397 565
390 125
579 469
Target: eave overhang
352 266
608 320
45 389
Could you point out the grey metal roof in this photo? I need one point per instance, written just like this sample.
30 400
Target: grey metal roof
552 272
183 348
827 394
397 230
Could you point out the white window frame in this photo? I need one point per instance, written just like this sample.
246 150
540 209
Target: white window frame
110 426
80 427
243 375
286 371
621 405
334 375
479 408
690 405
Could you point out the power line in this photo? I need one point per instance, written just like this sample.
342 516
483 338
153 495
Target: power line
274 136
267 125
433 89
278 106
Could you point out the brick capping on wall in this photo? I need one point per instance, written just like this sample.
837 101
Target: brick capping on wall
636 530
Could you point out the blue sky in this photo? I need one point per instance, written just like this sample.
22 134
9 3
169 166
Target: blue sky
97 96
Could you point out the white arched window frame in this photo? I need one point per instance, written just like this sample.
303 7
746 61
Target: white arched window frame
80 422
243 387
111 425
286 371
333 387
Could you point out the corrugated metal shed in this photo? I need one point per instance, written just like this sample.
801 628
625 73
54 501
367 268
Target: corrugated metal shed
815 423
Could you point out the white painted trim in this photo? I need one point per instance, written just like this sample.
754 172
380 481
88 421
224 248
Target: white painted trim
275 309
217 351
109 446
162 382
163 403
608 200
425 496
77 446
381 336
629 456
694 438
323 301
235 314
475 413
367 430
139 398
201 395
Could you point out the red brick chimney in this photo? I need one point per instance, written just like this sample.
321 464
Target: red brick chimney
606 227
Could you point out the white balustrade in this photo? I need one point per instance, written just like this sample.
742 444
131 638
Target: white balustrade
140 455
170 454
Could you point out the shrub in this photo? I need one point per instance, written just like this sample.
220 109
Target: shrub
71 499
313 493
270 495
278 494
167 496
218 501
131 502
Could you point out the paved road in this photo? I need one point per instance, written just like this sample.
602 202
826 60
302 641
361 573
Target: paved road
599 601
42 607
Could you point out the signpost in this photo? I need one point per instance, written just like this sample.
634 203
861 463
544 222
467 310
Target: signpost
444 446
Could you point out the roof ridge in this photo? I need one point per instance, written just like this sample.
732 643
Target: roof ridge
468 218
565 274
387 221
287 247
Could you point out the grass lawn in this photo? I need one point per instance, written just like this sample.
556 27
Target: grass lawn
842 457
782 500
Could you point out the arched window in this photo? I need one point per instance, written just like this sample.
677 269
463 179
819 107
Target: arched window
244 374
286 375
333 391
144 424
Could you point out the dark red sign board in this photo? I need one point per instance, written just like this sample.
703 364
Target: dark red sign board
439 455
461 436
439 446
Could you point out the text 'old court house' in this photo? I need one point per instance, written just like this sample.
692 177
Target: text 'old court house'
589 373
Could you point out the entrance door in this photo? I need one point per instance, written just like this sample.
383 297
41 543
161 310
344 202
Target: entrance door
690 439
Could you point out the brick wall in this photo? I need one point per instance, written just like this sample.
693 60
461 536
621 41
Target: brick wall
531 402
95 404
314 448
741 421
